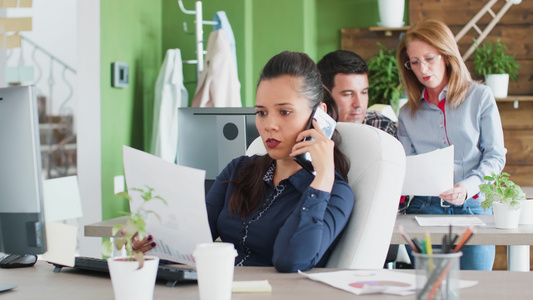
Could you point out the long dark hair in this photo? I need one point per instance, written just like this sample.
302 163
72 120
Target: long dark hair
249 185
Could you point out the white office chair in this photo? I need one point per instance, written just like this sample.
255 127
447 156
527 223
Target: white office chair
376 177
377 171
256 147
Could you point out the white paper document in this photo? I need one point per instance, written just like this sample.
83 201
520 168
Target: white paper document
361 282
447 221
429 174
62 199
61 240
183 222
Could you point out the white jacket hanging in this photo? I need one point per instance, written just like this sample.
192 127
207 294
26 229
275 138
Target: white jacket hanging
223 23
218 85
169 95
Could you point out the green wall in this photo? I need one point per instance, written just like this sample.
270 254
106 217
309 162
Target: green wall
332 15
131 32
263 28
139 34
174 35
280 25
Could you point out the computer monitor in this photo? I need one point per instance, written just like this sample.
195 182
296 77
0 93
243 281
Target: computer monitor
22 229
210 137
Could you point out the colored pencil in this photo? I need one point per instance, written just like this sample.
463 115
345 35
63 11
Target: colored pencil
408 239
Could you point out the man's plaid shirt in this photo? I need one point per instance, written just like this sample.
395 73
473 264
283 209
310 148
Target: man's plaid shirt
375 119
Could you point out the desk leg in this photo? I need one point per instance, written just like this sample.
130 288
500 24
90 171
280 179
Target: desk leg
518 258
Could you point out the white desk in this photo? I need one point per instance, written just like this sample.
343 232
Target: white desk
104 228
40 282
517 240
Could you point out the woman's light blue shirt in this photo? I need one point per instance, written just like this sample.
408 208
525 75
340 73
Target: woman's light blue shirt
474 128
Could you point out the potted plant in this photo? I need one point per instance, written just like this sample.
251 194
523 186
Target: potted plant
504 196
133 276
391 13
491 60
384 79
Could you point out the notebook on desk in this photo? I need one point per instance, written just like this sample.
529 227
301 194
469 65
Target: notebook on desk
182 223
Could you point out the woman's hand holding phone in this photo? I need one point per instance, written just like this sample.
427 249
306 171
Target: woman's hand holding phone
321 151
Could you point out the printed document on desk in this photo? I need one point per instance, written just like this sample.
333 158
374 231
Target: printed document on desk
183 222
429 174
362 282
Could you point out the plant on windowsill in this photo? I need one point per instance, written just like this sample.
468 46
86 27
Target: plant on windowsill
133 276
384 79
491 61
504 196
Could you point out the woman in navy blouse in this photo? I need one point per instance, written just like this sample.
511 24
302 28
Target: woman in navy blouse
447 108
273 211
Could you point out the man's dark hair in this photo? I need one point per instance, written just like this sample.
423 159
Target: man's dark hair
333 63
340 61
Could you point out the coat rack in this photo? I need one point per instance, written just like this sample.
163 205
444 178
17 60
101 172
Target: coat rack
199 34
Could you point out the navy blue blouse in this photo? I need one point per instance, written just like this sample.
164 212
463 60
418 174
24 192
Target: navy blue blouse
293 228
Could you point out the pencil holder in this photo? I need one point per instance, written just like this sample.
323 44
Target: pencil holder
437 275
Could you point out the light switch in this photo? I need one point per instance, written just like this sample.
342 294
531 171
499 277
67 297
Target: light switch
119 74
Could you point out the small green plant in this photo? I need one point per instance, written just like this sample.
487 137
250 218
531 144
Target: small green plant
135 227
383 78
502 190
490 58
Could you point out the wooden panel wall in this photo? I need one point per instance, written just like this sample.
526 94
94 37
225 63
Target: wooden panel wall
515 29
365 42
518 134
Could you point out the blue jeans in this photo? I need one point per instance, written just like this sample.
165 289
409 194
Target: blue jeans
474 257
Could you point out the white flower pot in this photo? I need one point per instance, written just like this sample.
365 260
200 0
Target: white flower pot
498 83
526 212
130 283
504 216
391 13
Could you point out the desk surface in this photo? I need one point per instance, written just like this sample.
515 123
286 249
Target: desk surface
40 282
485 235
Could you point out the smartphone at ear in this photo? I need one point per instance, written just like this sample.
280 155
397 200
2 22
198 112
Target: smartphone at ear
327 125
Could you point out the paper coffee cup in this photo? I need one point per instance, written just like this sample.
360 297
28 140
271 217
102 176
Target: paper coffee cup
214 266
